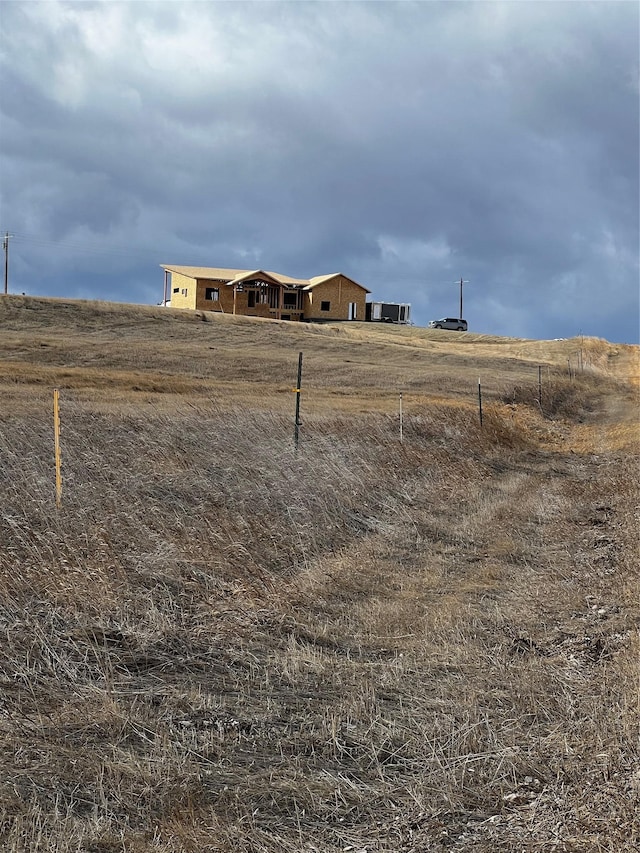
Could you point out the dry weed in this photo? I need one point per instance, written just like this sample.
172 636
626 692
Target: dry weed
219 644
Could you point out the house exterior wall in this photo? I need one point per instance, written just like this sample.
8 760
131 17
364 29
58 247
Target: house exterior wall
242 305
339 292
225 302
182 292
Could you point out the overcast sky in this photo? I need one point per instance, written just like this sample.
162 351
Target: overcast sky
403 144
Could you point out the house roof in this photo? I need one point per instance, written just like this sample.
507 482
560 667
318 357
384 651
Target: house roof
320 279
253 274
231 275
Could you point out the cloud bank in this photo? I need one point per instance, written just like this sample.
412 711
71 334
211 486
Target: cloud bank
404 144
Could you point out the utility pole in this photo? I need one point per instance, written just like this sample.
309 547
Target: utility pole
5 246
461 282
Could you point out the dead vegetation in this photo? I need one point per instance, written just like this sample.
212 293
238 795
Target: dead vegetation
219 644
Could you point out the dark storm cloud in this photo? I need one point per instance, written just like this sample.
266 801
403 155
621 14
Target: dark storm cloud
405 144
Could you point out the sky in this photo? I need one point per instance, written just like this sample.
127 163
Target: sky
404 144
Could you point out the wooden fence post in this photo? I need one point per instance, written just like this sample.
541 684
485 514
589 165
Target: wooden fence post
56 444
540 386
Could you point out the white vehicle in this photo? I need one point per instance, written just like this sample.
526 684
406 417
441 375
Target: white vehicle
452 323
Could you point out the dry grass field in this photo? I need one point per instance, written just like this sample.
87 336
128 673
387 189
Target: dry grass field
221 644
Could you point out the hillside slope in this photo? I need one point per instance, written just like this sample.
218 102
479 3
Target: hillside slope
219 643
103 345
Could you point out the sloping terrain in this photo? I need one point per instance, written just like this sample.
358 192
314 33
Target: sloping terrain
219 643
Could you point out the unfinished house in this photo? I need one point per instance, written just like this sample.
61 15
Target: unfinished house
257 293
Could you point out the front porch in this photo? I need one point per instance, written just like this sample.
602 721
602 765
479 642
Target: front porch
269 298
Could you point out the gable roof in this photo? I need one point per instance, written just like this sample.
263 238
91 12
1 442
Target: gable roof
214 273
230 275
321 279
253 274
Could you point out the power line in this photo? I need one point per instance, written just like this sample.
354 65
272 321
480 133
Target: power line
85 247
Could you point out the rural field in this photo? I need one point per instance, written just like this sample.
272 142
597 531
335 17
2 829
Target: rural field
220 643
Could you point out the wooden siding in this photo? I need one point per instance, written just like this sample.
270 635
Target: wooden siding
224 304
339 292
182 291
238 302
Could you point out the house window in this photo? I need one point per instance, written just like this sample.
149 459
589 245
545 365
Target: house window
290 299
325 306
212 293
176 290
251 299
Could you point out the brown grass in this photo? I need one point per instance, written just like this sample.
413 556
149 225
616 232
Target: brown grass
219 644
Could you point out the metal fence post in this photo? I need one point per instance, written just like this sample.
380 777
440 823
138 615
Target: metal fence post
296 432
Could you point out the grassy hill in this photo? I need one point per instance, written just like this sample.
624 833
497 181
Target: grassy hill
219 643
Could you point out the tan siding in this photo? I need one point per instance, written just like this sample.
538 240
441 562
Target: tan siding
224 304
339 292
182 283
242 305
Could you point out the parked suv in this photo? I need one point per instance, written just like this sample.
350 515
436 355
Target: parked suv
449 323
